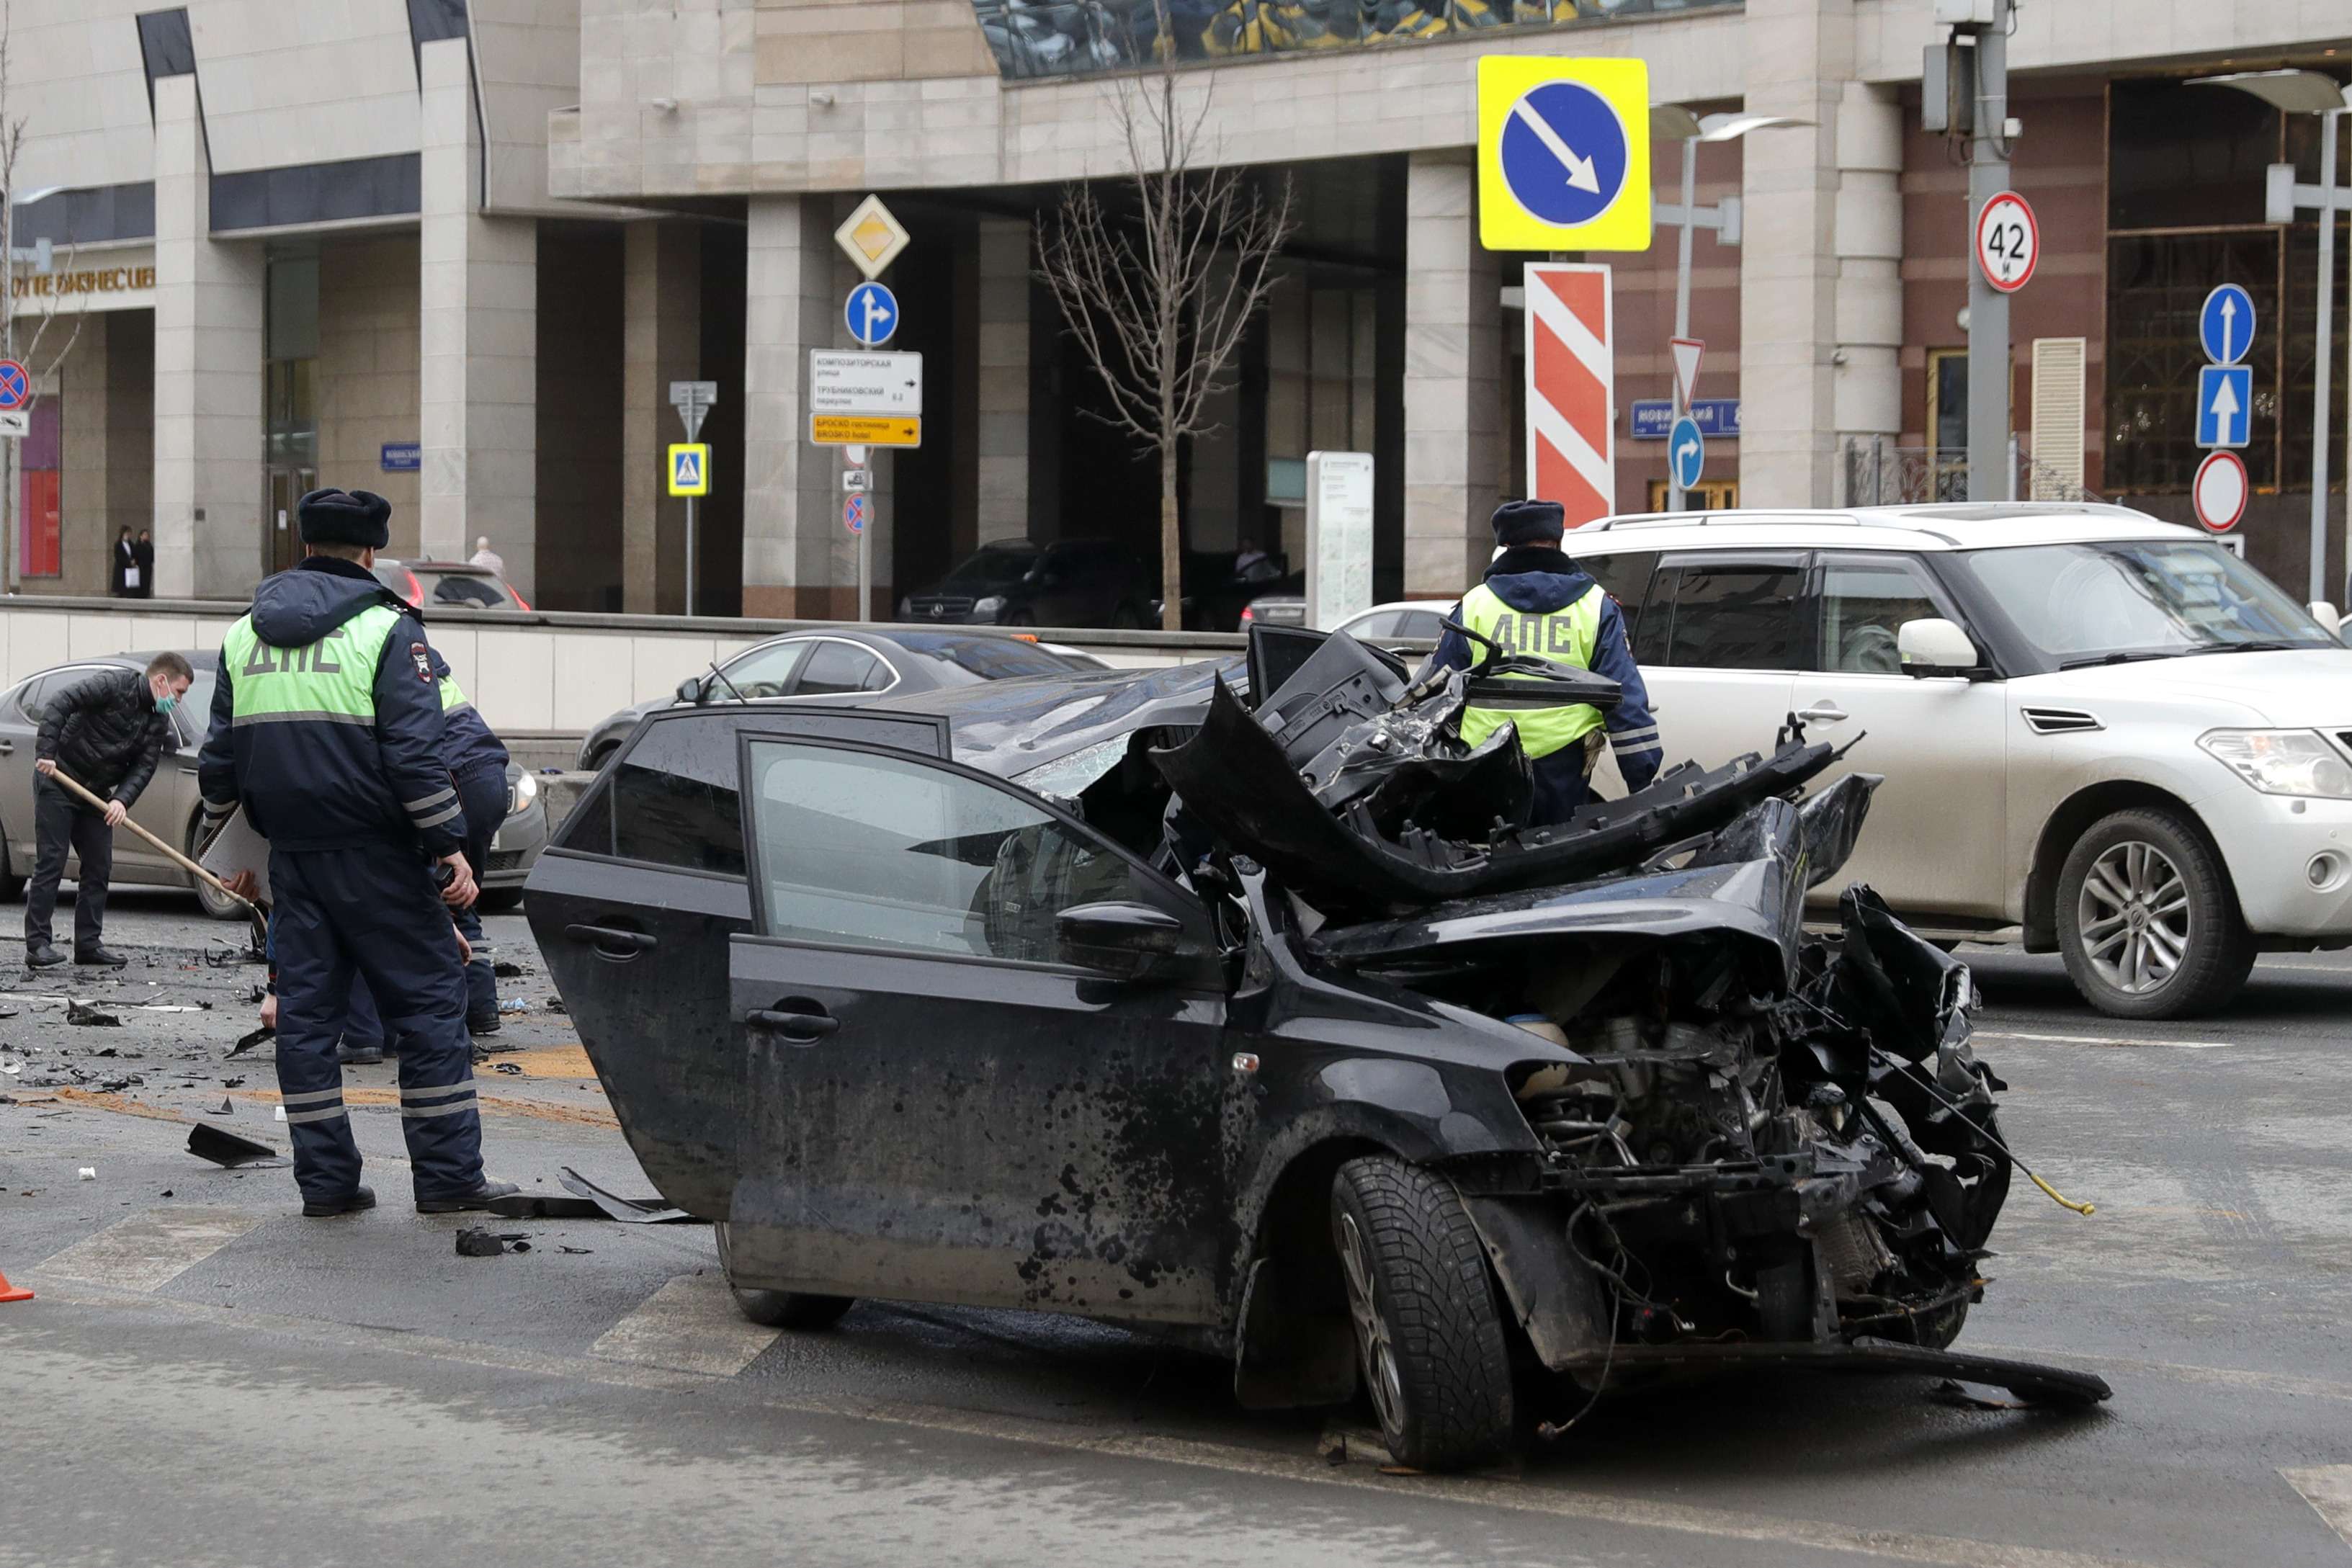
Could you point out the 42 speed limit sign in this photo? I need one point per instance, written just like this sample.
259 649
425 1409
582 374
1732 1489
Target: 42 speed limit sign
2008 242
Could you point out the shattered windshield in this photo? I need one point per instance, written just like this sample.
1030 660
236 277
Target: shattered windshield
2080 604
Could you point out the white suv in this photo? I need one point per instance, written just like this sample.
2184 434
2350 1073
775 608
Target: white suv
2101 734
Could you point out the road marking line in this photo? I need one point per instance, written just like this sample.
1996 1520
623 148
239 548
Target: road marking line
148 1252
2105 1039
2327 1489
1501 1492
691 1325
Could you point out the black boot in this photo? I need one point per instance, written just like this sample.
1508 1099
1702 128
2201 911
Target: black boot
100 955
480 1197
44 957
361 1198
358 1055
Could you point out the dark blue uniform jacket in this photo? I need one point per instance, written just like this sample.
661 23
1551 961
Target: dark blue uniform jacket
315 784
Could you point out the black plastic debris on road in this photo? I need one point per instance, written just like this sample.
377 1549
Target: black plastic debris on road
246 1042
506 971
628 1211
89 1017
224 1148
475 1242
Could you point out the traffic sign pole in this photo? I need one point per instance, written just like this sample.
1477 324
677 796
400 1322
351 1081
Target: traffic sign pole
1675 491
1988 370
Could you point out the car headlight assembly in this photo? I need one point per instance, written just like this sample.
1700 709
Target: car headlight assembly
2282 761
524 792
988 606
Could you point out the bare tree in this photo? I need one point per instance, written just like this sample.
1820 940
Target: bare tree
25 347
1158 291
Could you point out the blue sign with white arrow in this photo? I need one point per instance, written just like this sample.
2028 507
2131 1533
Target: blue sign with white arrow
2225 404
1686 452
2225 326
1564 152
872 313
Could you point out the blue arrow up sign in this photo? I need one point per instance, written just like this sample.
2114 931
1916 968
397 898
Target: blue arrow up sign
2225 404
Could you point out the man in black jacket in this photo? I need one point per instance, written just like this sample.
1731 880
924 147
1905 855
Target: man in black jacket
106 733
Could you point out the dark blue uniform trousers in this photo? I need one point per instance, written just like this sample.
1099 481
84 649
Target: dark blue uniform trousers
372 912
1560 786
482 791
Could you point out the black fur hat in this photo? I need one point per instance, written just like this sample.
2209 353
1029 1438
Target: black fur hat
345 517
1529 523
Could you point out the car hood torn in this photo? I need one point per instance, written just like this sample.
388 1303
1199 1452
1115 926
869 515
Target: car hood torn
1739 1140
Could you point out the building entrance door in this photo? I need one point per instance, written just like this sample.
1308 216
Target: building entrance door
287 486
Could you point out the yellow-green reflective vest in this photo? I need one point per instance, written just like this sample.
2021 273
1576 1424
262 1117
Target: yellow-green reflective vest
1564 636
331 681
452 697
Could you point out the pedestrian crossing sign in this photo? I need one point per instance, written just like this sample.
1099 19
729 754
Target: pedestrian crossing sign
689 468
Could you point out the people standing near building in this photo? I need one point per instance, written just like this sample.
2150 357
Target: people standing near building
122 579
106 732
1536 600
485 556
326 726
145 555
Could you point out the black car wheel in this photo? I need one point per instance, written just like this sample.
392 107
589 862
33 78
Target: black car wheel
2148 920
781 1309
1020 618
1428 1337
216 905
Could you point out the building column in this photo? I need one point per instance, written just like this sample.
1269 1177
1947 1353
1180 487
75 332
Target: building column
211 305
1799 56
1866 366
661 343
479 341
1004 510
788 309
1454 448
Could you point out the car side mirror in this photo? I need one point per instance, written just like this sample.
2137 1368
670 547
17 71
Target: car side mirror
2330 622
1126 940
1934 647
689 690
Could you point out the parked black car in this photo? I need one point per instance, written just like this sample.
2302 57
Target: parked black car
844 664
1017 582
1253 1022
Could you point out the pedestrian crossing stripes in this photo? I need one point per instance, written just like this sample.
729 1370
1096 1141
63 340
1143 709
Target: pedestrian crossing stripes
691 1325
148 1252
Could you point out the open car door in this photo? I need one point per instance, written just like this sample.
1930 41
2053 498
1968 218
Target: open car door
957 1089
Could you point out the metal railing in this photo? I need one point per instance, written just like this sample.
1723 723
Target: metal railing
1880 473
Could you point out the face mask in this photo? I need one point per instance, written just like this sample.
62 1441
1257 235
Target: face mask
167 702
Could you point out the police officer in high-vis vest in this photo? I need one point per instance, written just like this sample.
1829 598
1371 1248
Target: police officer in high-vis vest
477 760
327 727
1537 600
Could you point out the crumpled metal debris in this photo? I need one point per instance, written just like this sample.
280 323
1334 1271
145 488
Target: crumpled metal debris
89 1017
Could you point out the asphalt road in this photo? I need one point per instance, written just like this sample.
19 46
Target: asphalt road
205 1377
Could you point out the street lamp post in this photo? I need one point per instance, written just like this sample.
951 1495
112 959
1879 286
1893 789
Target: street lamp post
1672 123
2308 93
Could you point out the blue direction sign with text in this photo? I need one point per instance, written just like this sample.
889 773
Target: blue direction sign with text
1686 451
1654 417
872 314
2226 326
400 457
2225 404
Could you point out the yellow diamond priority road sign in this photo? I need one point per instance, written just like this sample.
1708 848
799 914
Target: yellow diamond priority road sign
1563 153
871 237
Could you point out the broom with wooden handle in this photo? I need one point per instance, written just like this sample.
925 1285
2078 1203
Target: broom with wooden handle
259 916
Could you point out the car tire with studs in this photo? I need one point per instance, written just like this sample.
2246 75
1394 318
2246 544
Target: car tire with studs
1429 1339
779 1308
2148 920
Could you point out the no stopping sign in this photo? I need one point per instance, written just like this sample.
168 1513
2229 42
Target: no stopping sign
2221 491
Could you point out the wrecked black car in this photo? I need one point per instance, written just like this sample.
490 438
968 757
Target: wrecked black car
1240 1004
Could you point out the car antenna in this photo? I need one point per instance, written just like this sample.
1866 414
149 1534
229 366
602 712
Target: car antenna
731 686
